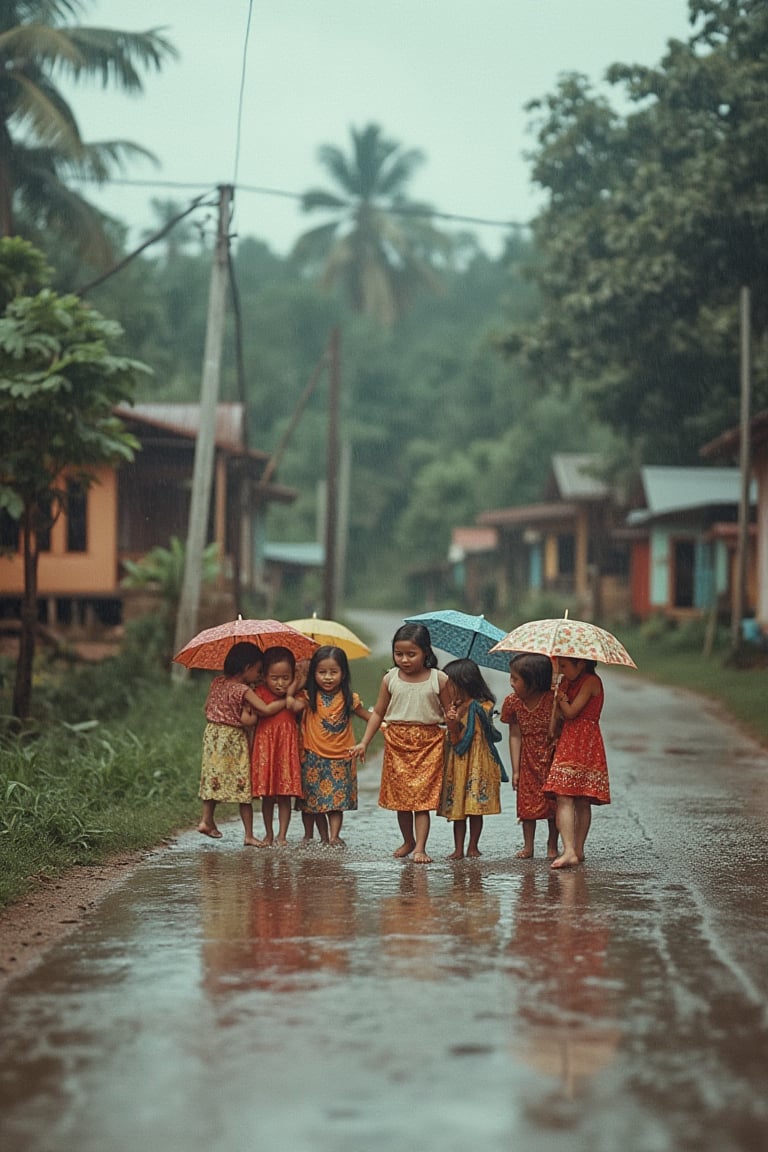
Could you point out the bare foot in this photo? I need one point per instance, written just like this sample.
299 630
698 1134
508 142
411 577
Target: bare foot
473 851
524 854
566 860
252 842
281 842
336 842
421 858
551 852
457 854
268 840
305 840
209 830
405 849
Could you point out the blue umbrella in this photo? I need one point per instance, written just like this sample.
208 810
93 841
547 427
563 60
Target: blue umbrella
464 635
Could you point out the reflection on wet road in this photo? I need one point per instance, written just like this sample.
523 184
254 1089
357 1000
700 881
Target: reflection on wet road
315 999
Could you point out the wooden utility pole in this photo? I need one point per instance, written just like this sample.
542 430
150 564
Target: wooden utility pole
202 475
332 489
742 545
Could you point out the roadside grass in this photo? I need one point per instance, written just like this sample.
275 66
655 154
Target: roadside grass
76 792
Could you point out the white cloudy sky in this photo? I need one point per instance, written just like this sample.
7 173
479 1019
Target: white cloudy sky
450 77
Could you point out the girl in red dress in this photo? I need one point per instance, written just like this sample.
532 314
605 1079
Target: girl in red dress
578 777
528 711
275 766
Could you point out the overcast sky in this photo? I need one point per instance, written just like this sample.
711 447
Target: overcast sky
450 77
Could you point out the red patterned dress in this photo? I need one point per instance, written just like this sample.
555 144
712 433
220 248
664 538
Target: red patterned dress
535 754
579 767
275 766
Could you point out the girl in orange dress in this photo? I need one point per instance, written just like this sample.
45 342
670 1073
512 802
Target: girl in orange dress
275 767
578 777
528 711
328 770
412 699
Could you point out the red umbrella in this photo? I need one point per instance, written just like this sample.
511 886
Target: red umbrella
209 648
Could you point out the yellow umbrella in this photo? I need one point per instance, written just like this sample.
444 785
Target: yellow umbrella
331 632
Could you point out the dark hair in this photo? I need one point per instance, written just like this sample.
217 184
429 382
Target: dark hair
241 656
534 669
329 652
276 655
419 635
589 665
466 675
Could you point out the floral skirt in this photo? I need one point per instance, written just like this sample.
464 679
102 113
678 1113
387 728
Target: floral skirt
226 768
412 771
330 785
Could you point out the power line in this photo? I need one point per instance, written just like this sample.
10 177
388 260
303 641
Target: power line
260 190
242 90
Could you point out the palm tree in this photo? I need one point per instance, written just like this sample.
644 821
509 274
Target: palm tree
40 143
379 246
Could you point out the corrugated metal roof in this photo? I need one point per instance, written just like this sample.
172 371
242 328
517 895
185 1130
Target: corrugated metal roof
303 555
671 489
574 474
184 419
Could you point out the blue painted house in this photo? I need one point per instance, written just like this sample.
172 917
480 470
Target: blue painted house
683 538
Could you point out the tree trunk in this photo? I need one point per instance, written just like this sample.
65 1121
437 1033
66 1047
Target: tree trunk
22 690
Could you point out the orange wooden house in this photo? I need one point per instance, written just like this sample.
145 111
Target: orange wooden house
130 510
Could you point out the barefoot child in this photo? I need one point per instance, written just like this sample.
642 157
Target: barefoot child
328 771
232 706
528 712
473 771
275 767
578 777
412 699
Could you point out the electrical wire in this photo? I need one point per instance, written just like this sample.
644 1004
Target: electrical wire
242 91
393 209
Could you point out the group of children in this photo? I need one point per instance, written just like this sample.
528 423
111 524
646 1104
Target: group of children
286 739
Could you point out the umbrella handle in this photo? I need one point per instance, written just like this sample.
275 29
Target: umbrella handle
557 677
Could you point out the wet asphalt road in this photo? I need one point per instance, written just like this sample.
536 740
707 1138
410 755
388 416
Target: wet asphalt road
230 998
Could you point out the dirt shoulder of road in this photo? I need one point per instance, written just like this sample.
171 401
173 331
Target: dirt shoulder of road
53 909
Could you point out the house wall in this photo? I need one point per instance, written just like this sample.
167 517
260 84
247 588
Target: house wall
63 573
760 467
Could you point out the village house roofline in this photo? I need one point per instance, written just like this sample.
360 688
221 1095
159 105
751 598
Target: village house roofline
672 490
184 420
574 475
728 442
527 514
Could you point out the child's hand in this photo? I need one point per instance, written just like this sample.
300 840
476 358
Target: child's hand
358 752
452 713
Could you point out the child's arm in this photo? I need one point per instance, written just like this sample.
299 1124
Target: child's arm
363 712
374 721
570 709
515 748
454 722
446 692
261 706
248 717
296 703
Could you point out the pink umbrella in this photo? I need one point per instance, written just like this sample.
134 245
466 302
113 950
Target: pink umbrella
209 648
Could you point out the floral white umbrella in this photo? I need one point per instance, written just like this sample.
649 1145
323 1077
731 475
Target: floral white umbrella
576 639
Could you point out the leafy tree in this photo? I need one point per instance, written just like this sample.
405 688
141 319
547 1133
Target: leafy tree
58 386
41 148
378 246
655 221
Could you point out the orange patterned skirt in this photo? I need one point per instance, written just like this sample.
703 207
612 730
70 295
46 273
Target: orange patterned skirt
412 771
